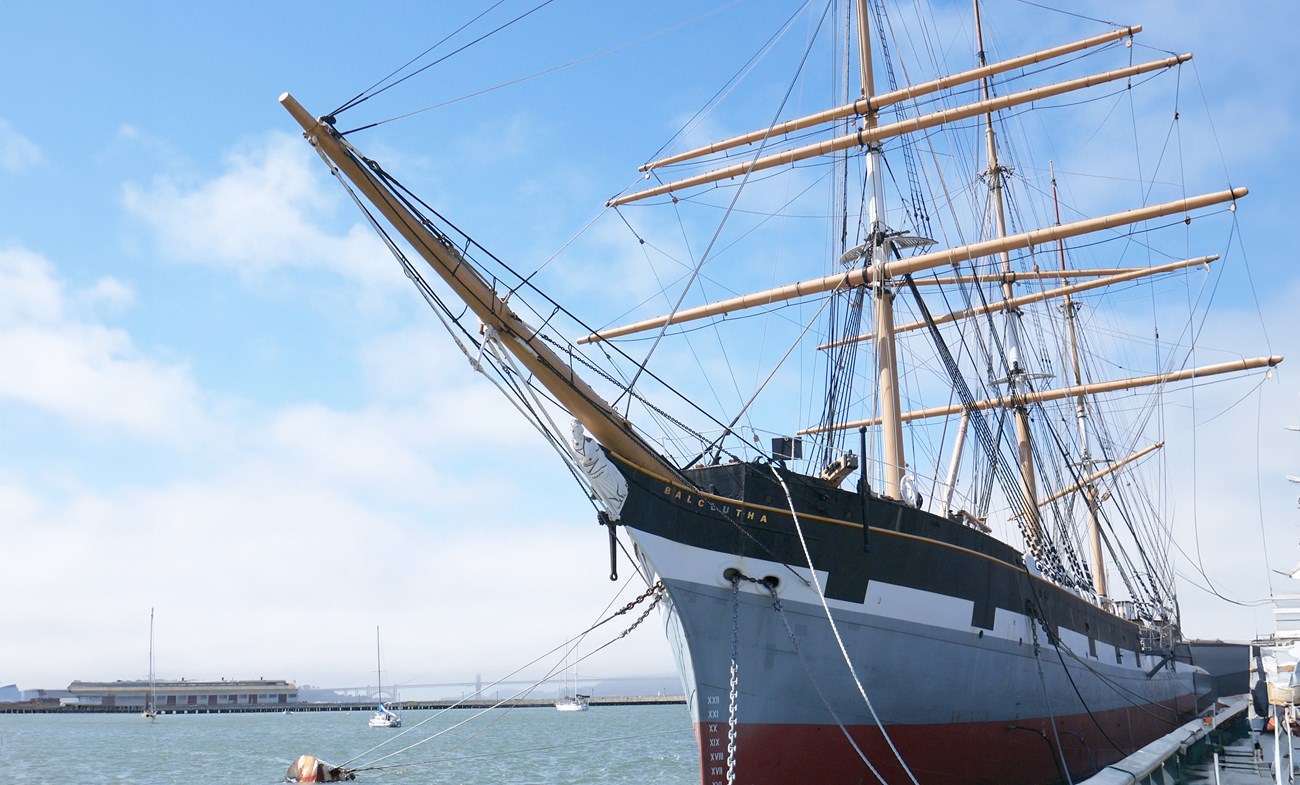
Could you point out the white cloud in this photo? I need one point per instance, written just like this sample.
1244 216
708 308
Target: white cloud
258 216
58 362
28 289
284 573
17 152
428 508
109 292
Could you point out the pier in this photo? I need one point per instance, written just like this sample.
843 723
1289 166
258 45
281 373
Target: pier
296 708
1182 755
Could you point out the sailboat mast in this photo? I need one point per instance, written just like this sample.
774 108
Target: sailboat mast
891 431
379 666
149 701
1081 419
1011 338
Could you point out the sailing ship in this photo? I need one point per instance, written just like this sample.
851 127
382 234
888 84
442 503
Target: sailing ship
383 717
150 710
839 612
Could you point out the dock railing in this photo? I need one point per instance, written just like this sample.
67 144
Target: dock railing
1160 761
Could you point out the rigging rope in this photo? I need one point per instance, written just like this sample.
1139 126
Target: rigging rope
758 153
830 619
656 591
1045 551
370 92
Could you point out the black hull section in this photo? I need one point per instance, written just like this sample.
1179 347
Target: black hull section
742 509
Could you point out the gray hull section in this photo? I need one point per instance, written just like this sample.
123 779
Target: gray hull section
791 668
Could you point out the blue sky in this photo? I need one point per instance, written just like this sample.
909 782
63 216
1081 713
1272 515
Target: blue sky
221 399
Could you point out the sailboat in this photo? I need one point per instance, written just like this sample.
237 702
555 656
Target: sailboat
574 701
383 717
150 699
973 589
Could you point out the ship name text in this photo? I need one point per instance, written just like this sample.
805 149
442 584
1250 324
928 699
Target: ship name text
687 498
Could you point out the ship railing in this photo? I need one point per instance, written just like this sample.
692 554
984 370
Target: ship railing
1157 638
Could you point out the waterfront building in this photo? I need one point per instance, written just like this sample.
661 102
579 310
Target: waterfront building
184 694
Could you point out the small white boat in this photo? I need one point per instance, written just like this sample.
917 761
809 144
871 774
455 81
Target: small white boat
573 702
576 703
385 718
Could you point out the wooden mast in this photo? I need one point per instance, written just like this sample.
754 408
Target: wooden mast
891 433
1017 374
1081 419
600 419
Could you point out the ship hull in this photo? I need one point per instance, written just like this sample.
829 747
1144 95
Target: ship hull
978 670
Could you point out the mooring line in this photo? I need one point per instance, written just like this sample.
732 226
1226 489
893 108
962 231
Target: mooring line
836 630
656 591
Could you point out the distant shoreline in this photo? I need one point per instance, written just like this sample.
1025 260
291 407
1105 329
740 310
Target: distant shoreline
303 708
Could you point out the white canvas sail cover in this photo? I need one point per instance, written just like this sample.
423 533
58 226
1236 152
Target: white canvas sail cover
609 485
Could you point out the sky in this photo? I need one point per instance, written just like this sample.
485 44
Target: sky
222 401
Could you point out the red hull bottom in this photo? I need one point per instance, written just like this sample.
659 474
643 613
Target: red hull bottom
1012 752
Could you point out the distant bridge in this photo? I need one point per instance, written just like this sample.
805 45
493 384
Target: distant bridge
478 685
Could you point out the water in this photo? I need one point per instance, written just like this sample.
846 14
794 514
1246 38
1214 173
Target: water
609 745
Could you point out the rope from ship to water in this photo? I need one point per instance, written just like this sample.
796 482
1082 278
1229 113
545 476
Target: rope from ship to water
1038 617
339 775
1058 754
803 543
654 593
1062 649
736 578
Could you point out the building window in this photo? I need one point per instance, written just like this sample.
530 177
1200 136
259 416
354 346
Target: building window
193 700
234 699
212 700
252 699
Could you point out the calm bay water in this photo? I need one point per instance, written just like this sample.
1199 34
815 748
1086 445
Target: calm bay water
610 745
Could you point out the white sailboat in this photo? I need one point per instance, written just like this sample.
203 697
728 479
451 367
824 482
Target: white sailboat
572 700
150 700
383 717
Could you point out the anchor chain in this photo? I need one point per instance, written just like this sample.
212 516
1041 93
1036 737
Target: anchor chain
657 591
735 675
